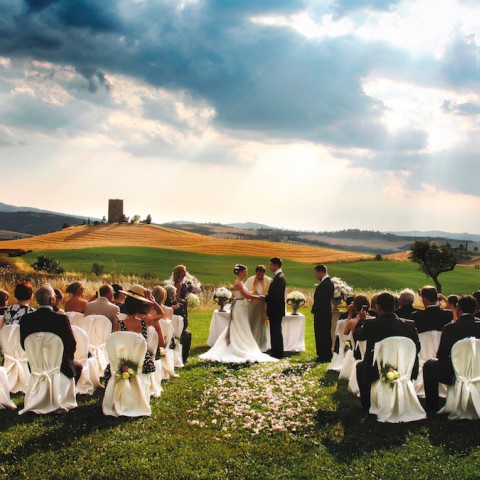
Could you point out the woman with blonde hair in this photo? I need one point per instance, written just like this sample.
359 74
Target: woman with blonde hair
178 275
76 303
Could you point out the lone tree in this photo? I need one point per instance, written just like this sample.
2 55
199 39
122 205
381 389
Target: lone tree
47 264
433 259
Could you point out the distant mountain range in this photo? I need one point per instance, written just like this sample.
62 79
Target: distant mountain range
248 225
470 237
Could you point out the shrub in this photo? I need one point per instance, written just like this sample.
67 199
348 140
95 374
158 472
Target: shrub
378 257
47 264
98 269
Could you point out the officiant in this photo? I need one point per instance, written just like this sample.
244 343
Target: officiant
257 309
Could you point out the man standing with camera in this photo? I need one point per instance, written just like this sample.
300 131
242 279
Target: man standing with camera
322 314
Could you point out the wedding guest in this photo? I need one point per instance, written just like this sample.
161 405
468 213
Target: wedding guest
360 302
58 301
257 309
118 297
138 303
3 301
374 330
76 303
440 369
178 275
406 299
160 295
23 293
46 320
373 306
433 317
349 305
451 304
476 296
170 300
104 305
322 314
276 306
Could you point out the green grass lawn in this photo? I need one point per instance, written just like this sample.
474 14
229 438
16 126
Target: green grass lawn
217 269
193 435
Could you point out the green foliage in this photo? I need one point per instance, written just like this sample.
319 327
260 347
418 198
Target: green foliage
148 220
433 259
98 269
66 225
47 264
378 257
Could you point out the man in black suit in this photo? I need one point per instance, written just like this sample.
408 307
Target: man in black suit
322 314
440 369
406 299
276 306
476 296
46 320
433 317
387 324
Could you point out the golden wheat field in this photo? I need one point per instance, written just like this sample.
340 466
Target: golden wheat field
111 235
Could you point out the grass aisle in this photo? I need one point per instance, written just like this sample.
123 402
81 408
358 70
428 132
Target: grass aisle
287 420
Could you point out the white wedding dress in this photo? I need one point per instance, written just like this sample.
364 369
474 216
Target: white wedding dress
236 343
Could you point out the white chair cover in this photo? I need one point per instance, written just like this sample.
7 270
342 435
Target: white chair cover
168 362
5 401
15 363
49 390
98 329
400 403
178 323
156 376
338 358
463 398
89 381
348 363
2 321
122 316
74 317
129 397
352 382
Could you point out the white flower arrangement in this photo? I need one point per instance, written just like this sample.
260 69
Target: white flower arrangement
194 285
341 289
193 301
295 296
222 293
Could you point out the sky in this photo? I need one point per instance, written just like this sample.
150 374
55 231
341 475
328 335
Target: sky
312 115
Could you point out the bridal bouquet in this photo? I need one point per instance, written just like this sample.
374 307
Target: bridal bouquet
193 284
222 296
295 299
193 301
341 290
127 369
389 374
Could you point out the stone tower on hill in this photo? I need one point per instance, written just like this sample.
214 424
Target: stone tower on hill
115 211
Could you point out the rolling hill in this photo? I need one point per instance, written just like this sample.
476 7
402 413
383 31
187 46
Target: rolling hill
110 235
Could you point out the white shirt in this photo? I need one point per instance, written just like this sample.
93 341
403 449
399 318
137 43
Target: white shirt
277 272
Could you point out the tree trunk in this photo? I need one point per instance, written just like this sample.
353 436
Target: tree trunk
438 285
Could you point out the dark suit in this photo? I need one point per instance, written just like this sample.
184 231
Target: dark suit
45 320
441 369
373 331
405 312
432 318
275 312
322 319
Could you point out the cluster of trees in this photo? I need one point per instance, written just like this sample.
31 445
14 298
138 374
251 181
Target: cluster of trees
124 219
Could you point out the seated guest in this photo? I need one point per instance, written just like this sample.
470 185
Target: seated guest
372 312
138 303
58 301
160 295
46 320
433 317
440 369
3 301
23 293
76 303
118 297
451 302
171 301
360 302
103 305
406 299
387 324
476 296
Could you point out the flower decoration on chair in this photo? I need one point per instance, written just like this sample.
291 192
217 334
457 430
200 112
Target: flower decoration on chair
347 346
389 374
193 301
222 296
127 370
295 299
341 290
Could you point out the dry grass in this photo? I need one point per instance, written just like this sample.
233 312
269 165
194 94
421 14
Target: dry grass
110 235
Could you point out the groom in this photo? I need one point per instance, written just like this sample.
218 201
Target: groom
276 306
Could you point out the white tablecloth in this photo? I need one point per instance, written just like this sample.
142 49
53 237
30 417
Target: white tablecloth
293 329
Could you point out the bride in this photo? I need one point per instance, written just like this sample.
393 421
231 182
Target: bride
236 343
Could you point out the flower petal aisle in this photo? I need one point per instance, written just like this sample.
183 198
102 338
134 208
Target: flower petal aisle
264 398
